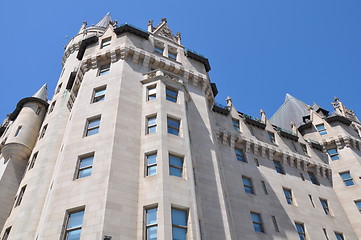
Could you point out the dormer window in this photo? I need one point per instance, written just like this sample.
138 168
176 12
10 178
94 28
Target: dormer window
159 47
158 50
105 42
172 53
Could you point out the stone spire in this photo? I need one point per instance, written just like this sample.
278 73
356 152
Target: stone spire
104 22
42 93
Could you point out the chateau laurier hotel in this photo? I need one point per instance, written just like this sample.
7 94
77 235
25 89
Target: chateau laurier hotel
132 145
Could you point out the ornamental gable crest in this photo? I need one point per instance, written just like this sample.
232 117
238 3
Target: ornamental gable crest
163 30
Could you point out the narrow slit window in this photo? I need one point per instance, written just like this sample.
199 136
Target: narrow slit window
18 131
52 106
324 204
264 187
43 131
272 137
20 196
339 236
275 224
38 110
358 205
6 234
33 159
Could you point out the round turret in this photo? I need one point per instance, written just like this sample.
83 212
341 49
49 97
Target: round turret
27 119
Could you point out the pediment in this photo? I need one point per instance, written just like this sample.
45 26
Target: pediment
163 30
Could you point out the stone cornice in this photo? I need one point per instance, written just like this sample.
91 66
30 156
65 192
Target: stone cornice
342 141
268 151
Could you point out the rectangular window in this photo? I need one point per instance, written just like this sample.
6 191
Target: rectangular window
43 131
52 106
264 187
179 224
6 234
99 94
310 197
171 95
18 131
33 159
151 125
272 137
173 126
73 223
240 155
333 154
324 205
339 236
278 167
38 110
321 129
172 55
235 123
288 195
151 223
158 49
85 166
58 88
313 178
104 69
106 42
175 166
151 164
358 205
347 179
301 230
275 224
92 126
247 184
304 148
152 92
257 222
20 196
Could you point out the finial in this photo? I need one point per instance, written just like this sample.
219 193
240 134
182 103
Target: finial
336 99
229 100
164 20
150 26
150 22
293 127
263 115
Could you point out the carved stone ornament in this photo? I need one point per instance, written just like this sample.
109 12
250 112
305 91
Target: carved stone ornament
166 32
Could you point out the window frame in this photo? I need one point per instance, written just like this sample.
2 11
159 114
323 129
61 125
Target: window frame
235 123
272 137
170 97
279 167
52 106
6 233
79 169
151 96
172 54
100 97
321 129
313 178
33 159
68 214
175 166
151 126
302 234
170 127
258 223
147 226
333 153
304 148
43 131
106 42
103 69
177 226
248 186
20 196
240 155
149 166
288 193
18 130
88 128
358 205
345 180
325 206
339 234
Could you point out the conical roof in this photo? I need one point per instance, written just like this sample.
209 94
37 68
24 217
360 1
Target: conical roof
42 93
104 22
292 110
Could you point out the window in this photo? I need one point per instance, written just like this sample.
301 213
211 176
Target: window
264 187
172 55
339 236
175 166
43 131
321 129
179 224
6 234
171 95
257 222
313 178
333 154
52 107
288 195
151 125
104 69
38 110
347 179
33 159
18 131
278 167
313 204
235 123
301 230
20 196
324 205
85 166
358 205
302 177
92 126
158 49
151 223
106 42
99 94
58 88
152 92
173 126
272 137
325 232
247 184
256 162
275 224
74 222
151 164
304 148
240 155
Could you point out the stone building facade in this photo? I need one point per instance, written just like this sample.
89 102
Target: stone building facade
133 146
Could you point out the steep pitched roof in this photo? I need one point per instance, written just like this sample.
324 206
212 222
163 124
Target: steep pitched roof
292 110
42 93
104 22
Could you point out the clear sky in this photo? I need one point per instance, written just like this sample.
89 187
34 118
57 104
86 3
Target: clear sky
259 50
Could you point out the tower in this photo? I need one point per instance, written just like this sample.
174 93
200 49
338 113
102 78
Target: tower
133 146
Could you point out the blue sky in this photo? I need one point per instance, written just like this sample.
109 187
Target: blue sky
259 50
